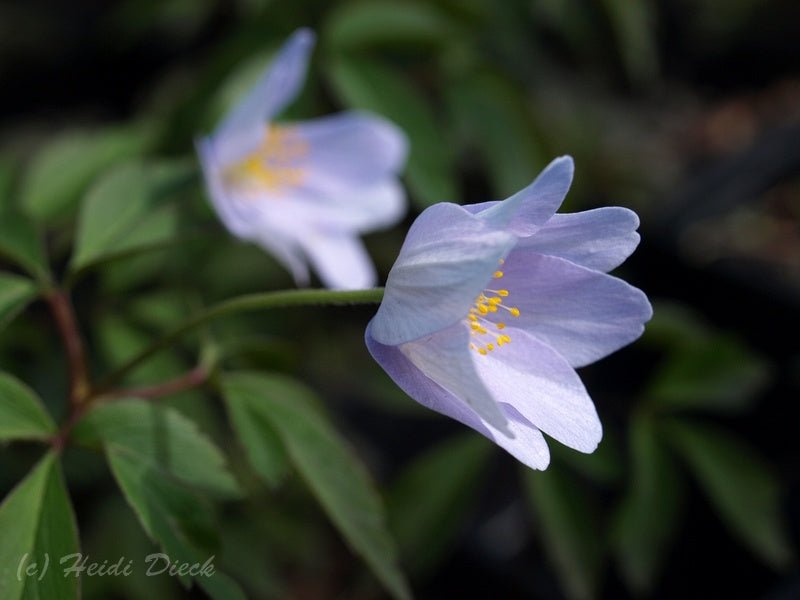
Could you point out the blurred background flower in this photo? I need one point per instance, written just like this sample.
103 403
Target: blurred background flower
687 112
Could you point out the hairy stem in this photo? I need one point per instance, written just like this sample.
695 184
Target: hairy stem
252 302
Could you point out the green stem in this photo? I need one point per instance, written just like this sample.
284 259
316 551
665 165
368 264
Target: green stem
252 302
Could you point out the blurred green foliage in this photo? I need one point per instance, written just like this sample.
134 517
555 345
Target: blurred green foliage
487 92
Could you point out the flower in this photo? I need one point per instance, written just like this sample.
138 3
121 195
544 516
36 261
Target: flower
304 191
491 307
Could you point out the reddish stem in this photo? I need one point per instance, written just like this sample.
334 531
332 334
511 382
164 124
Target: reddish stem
67 324
194 378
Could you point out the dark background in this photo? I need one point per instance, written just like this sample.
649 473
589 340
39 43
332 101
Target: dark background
687 112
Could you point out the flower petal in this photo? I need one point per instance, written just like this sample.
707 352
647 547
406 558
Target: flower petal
286 251
445 358
527 210
247 219
599 239
355 209
544 388
583 314
243 127
527 444
339 259
445 262
238 217
351 149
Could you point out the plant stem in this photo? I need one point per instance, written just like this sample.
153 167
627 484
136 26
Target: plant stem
268 300
187 381
64 315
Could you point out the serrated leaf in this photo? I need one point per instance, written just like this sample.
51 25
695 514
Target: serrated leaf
38 529
178 520
569 530
20 242
739 484
646 520
264 448
428 502
64 168
125 211
15 294
358 25
22 414
495 117
160 436
718 373
367 84
334 474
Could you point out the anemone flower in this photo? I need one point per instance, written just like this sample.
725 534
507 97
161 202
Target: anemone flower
491 307
304 191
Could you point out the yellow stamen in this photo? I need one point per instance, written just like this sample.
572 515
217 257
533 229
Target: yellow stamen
274 164
485 304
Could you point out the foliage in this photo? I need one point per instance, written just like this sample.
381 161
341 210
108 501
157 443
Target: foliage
281 481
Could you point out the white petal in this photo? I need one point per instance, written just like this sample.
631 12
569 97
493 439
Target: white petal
599 239
527 444
583 314
243 127
544 388
527 210
445 262
352 148
446 359
340 260
354 209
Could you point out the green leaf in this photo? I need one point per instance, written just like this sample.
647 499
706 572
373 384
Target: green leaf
447 477
675 326
38 529
172 516
647 518
160 436
264 447
569 529
333 473
603 466
367 84
22 414
718 373
498 123
125 212
8 174
64 168
358 25
15 294
632 24
20 242
739 484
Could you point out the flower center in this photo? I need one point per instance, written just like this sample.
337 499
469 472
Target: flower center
485 331
274 165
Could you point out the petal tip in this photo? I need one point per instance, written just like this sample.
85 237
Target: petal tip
303 36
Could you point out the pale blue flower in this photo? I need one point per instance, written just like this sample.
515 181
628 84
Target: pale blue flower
491 307
305 191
